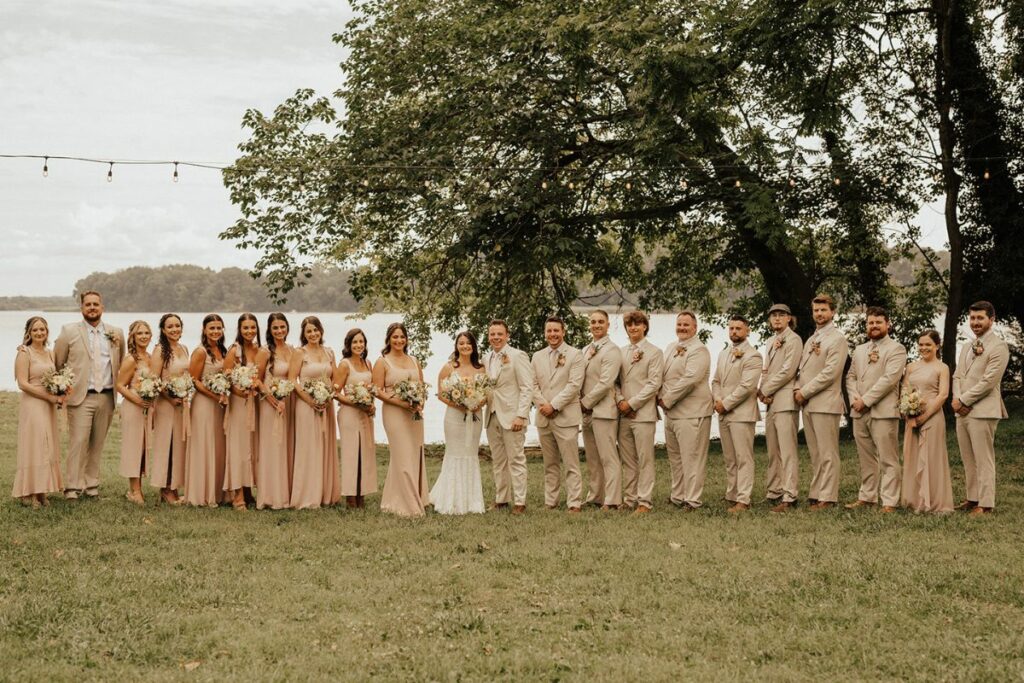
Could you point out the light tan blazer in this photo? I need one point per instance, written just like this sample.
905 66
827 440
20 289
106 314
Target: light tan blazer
684 383
600 371
72 348
779 376
559 385
639 382
513 391
978 376
877 382
735 382
821 371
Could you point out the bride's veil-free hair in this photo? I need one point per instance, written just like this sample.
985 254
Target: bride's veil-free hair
474 357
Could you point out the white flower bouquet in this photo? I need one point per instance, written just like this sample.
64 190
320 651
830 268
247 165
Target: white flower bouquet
218 383
319 389
910 402
181 386
59 382
243 377
413 392
281 388
361 393
148 386
471 394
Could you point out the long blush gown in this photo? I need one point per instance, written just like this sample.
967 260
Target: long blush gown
315 479
170 431
38 458
405 487
358 451
204 469
240 425
134 435
276 441
926 482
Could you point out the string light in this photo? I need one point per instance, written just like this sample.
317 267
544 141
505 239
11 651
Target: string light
110 173
544 185
987 176
572 185
629 186
683 184
837 181
792 182
738 183
175 176
46 166
366 182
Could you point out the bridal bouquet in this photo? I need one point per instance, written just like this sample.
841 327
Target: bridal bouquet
468 393
281 388
148 386
218 383
414 392
910 402
59 382
319 389
181 386
243 377
361 393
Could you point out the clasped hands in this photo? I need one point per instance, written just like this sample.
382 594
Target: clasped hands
960 408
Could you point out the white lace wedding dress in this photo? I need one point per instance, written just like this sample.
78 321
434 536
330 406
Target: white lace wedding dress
458 490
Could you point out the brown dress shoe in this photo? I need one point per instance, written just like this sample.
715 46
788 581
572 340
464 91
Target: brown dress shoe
782 507
822 505
967 505
609 507
858 504
519 510
499 506
641 510
888 508
574 511
978 511
738 507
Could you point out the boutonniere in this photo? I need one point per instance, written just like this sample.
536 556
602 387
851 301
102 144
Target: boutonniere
561 360
977 347
111 337
737 353
637 356
873 356
680 350
594 350
504 358
816 348
778 343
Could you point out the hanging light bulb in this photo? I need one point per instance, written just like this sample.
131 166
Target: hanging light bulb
629 186
987 175
738 183
366 182
836 180
544 185
46 166
110 173
175 176
792 182
683 184
572 185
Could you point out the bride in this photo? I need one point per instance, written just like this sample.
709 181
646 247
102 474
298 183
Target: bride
458 489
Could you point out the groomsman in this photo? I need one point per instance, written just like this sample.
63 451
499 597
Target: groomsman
734 390
873 386
601 363
558 377
639 381
507 416
782 419
819 393
979 406
94 351
686 399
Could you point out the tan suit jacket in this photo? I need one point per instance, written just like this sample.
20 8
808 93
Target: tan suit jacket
735 383
684 385
781 365
513 391
600 371
639 382
558 385
977 377
821 371
72 348
877 383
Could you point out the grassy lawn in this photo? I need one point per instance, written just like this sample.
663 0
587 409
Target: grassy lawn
104 590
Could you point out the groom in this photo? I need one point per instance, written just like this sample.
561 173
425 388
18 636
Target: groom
507 417
94 352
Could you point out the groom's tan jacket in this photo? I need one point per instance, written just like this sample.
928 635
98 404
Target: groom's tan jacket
72 348
559 384
513 391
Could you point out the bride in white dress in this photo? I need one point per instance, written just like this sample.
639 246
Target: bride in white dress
458 490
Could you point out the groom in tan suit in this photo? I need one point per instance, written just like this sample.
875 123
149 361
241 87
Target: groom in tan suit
979 406
558 377
819 393
636 395
601 363
94 351
873 386
782 419
734 390
507 415
686 399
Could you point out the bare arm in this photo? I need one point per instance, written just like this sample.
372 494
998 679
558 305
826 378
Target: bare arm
21 363
446 371
124 382
196 365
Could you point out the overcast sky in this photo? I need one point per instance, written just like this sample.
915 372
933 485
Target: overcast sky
146 79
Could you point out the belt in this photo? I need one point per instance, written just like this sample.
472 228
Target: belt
101 391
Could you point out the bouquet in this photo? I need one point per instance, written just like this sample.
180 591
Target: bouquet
243 377
414 392
148 386
361 393
468 393
319 389
181 386
910 402
59 382
281 388
218 383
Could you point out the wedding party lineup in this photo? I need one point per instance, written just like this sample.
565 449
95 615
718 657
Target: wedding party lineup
248 420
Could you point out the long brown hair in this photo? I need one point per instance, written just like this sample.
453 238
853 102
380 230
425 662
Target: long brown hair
315 322
166 352
387 337
213 317
474 356
346 350
238 334
271 342
133 329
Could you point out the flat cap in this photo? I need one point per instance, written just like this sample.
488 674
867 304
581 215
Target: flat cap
780 307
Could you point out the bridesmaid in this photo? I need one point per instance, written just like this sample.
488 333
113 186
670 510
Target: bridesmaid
315 479
204 468
273 464
135 415
355 423
38 459
405 487
170 438
926 482
240 423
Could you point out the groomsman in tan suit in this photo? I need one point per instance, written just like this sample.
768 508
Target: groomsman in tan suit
873 383
507 416
601 362
94 351
558 377
636 396
686 399
734 390
819 393
782 419
979 406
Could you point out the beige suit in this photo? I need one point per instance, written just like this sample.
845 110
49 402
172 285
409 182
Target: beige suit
94 354
638 385
820 381
976 385
688 406
782 419
735 385
511 398
558 378
601 363
874 377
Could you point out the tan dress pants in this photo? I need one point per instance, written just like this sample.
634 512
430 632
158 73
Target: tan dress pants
686 440
878 447
636 446
88 423
822 432
560 447
976 438
604 470
508 461
738 452
782 479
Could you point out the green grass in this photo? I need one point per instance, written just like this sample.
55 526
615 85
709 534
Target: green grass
103 590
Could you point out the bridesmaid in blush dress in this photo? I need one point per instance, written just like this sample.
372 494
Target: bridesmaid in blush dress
135 415
241 421
38 457
204 468
315 479
276 436
170 414
355 423
926 482
405 487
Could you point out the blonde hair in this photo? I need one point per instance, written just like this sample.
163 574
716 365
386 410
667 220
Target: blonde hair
133 329
29 324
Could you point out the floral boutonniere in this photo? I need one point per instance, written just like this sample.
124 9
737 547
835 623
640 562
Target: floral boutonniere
638 355
680 350
778 343
873 355
737 353
504 358
977 347
561 360
594 350
816 348
111 337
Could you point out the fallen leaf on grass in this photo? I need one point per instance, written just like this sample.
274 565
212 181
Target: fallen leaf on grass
58 553
456 566
675 546
482 546
147 520
191 666
488 649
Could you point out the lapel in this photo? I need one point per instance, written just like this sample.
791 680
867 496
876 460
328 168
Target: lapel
730 361
627 357
552 364
85 337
